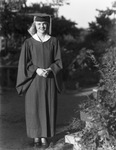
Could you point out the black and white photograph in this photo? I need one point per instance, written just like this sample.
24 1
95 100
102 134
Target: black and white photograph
57 74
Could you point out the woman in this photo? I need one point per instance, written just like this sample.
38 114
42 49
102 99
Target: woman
39 77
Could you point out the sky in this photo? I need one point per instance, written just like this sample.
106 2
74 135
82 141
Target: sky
81 11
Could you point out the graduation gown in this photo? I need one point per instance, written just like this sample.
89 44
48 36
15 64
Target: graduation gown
40 92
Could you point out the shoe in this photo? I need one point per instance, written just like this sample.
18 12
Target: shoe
44 143
37 142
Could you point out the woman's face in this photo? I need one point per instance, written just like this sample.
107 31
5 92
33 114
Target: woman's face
41 27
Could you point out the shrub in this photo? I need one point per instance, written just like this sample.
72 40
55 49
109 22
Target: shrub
100 132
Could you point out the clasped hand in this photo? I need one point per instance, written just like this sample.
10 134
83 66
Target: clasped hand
43 72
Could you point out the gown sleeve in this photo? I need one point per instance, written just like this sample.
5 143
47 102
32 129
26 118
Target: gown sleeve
26 70
56 66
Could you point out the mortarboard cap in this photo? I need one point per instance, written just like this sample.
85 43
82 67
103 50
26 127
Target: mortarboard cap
40 17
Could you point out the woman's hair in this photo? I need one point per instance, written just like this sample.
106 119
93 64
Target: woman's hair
32 30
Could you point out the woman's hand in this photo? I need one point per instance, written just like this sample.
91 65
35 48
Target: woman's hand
40 71
43 72
46 72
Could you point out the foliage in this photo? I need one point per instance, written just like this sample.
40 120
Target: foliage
16 5
14 29
100 131
100 29
81 69
37 8
61 26
99 33
99 37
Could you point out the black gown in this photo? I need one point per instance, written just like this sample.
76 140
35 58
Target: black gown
40 92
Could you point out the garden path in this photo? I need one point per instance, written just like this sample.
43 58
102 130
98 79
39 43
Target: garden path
12 118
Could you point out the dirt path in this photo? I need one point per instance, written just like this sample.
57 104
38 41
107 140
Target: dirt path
12 117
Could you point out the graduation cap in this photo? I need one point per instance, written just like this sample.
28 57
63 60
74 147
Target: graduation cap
40 17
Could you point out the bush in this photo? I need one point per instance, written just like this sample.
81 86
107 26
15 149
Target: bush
100 132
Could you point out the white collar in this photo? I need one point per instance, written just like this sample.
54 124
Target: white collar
47 37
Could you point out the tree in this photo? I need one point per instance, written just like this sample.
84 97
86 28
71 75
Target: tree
14 27
100 35
16 5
